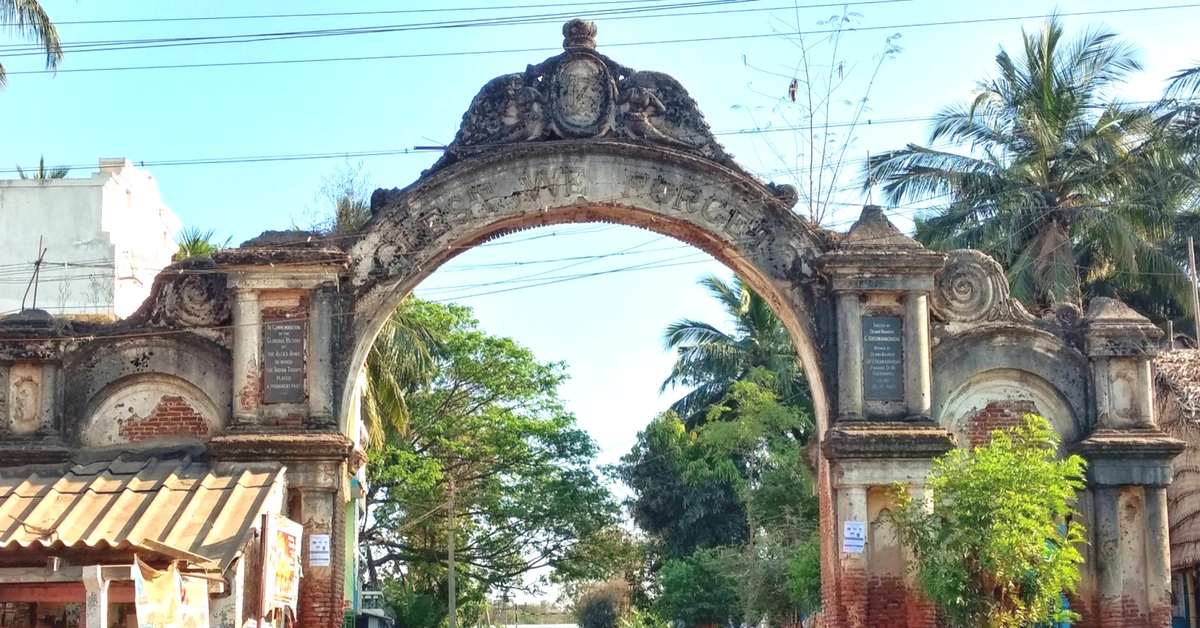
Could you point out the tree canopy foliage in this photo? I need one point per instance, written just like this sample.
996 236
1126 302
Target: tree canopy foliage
709 360
1075 193
489 419
996 545
29 20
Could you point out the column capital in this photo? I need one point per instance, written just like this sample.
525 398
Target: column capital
1129 457
1113 329
887 440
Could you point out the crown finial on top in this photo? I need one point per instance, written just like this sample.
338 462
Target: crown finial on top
579 34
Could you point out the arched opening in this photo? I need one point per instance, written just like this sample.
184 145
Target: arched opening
728 215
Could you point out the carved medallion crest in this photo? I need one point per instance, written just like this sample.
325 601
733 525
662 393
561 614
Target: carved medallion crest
583 93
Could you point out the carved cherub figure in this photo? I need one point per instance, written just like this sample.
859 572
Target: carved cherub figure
641 106
523 117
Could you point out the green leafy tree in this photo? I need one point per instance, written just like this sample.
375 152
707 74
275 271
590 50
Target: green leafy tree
490 421
701 589
196 242
748 440
603 605
1068 189
996 546
710 360
42 172
681 514
28 20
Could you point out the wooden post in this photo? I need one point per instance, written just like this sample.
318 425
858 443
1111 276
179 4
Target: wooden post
1195 290
262 571
453 619
1189 585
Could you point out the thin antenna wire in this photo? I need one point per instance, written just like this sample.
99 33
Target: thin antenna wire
33 281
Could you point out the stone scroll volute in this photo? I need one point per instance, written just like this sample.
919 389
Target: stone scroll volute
972 289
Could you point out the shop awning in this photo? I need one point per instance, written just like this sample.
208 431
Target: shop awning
167 504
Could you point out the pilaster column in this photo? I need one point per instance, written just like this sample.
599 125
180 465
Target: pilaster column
850 384
853 507
320 358
320 592
1108 557
918 381
247 359
1158 556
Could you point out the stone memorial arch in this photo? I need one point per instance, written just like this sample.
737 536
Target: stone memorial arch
254 357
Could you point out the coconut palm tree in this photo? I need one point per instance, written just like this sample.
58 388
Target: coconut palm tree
196 242
57 172
1072 192
28 20
401 361
710 360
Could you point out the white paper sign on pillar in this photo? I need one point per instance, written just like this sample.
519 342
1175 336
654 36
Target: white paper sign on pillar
318 550
854 537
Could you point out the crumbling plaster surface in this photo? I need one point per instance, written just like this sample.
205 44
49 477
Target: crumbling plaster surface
1011 364
98 372
147 407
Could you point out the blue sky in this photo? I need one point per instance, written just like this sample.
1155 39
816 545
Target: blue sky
606 327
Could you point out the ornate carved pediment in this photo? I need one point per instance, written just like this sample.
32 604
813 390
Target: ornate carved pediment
582 94
189 294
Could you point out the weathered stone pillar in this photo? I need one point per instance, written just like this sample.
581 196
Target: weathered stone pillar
1129 468
247 358
918 380
884 433
850 365
852 505
1158 556
320 591
316 469
320 362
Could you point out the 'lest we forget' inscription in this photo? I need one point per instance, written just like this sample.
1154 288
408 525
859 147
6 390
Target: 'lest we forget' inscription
883 358
283 362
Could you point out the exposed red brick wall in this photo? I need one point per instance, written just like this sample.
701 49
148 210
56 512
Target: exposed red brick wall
997 415
1083 604
1125 612
173 416
831 602
891 603
886 602
854 594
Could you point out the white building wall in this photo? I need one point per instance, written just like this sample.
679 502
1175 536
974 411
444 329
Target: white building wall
106 236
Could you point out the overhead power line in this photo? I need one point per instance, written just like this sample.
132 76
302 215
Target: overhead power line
460 53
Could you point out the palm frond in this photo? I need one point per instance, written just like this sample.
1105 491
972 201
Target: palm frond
27 19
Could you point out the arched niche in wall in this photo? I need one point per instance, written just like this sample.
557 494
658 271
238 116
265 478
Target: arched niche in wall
149 407
1015 368
999 399
191 367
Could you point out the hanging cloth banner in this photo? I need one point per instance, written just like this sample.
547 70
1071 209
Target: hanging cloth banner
156 595
167 599
281 577
193 604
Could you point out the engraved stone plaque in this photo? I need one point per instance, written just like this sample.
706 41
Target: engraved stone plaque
283 362
883 358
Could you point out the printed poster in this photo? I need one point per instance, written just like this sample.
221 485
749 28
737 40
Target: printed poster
282 563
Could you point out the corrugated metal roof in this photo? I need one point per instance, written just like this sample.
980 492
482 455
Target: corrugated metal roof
119 503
